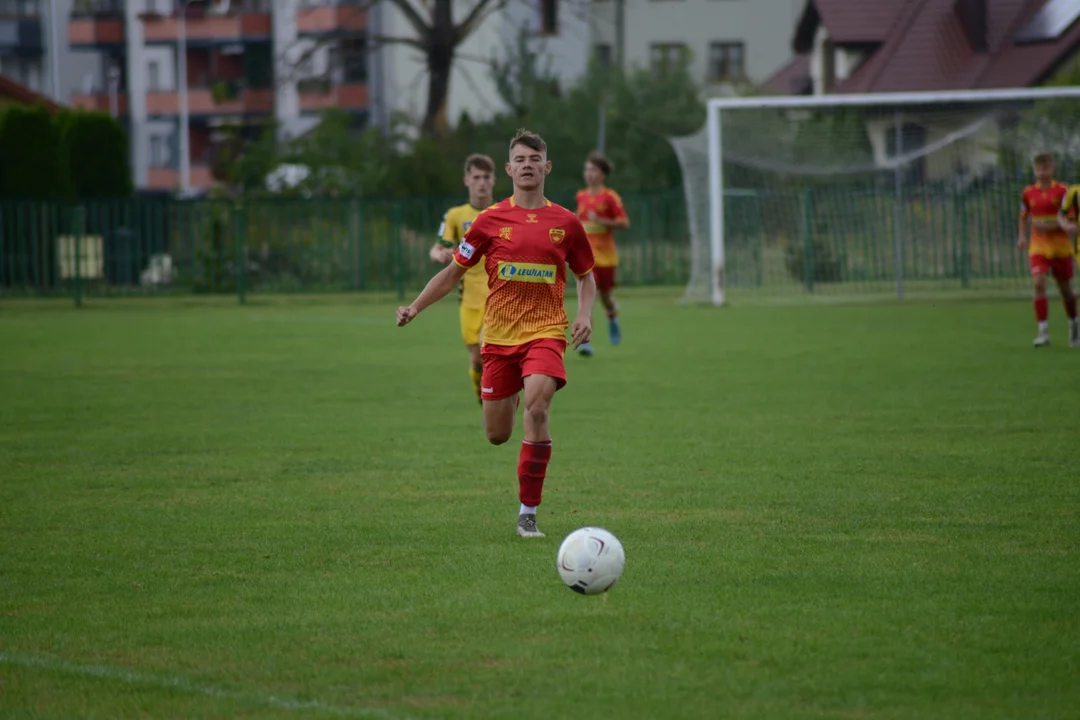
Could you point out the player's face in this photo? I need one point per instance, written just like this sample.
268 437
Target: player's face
527 167
1044 172
594 176
481 184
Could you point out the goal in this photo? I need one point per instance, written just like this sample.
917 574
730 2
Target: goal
892 193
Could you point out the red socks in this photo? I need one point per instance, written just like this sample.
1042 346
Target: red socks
1070 308
532 469
1042 309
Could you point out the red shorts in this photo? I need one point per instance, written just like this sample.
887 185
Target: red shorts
507 366
605 278
1060 267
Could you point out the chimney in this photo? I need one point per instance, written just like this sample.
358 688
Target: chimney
972 17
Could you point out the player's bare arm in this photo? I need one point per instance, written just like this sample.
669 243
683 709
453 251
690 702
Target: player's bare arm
1066 224
581 329
440 254
1022 239
437 288
614 223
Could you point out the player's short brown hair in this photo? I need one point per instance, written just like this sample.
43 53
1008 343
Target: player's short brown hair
1042 159
529 139
481 162
600 161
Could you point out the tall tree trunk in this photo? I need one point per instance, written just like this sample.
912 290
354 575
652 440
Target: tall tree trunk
440 58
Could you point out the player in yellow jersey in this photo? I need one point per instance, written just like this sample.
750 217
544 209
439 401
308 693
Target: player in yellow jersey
480 179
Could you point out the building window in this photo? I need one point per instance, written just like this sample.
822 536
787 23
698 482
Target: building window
153 75
546 20
602 53
157 151
666 58
353 60
727 62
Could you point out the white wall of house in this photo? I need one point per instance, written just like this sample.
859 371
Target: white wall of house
764 27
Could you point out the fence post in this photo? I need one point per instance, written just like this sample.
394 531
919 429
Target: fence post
395 233
354 242
808 239
78 229
961 208
239 226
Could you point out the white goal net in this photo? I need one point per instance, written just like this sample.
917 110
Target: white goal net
897 194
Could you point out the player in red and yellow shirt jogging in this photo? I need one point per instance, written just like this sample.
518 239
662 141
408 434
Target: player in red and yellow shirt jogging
1050 249
526 243
480 179
601 210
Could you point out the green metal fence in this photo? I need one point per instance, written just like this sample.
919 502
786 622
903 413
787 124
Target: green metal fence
151 246
811 240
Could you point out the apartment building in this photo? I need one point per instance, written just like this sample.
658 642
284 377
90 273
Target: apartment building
34 50
248 61
729 43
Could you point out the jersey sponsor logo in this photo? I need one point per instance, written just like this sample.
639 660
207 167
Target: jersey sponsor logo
527 272
530 217
556 235
466 250
506 232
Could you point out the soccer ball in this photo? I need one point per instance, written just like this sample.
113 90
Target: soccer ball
590 560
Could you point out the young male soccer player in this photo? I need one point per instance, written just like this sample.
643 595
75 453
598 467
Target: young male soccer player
480 179
526 242
601 209
1049 249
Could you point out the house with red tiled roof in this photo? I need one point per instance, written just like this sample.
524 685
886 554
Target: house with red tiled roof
13 93
882 46
863 46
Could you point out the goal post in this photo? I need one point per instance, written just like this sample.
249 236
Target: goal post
851 193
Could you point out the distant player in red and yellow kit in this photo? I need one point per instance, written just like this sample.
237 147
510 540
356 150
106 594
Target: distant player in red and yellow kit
526 243
1050 250
601 210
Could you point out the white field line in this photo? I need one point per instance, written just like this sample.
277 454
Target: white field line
186 685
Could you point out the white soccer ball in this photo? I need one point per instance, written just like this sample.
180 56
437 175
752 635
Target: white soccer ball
590 560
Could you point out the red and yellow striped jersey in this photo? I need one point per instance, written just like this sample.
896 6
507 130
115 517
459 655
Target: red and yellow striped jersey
525 252
608 205
1044 205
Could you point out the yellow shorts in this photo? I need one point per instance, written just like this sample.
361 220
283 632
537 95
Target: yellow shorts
472 322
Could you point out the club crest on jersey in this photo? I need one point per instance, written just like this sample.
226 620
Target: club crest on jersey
556 235
465 226
506 232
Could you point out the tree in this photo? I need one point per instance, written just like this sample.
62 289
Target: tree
438 37
97 154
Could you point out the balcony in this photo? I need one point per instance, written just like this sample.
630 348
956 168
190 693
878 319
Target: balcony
167 178
330 20
207 27
100 101
318 96
96 23
20 27
206 102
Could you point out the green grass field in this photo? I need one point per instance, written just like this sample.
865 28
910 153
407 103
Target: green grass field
289 509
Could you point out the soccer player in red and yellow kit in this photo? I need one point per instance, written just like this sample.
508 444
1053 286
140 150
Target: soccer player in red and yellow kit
601 210
526 243
1050 249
